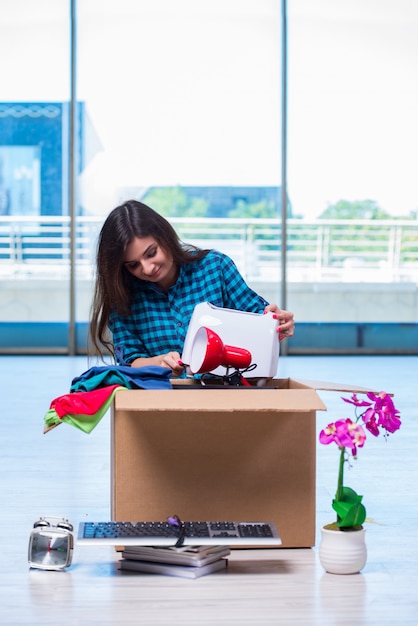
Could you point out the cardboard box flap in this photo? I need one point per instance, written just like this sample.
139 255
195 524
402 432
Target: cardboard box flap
321 385
226 400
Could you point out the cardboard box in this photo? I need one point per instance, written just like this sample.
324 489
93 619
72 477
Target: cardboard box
219 454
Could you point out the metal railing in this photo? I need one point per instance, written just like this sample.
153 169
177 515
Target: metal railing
317 250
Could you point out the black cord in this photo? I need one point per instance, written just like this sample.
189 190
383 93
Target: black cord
176 521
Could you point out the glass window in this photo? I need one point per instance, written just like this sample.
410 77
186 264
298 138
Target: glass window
34 245
183 104
20 176
179 105
352 135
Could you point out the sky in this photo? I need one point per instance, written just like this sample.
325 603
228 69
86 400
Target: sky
189 93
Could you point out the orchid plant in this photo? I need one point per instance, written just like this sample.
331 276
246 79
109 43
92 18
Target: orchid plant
378 414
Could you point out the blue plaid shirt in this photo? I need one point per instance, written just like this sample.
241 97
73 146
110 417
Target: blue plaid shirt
158 322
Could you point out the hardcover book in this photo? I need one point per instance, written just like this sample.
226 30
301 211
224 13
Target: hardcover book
195 556
170 569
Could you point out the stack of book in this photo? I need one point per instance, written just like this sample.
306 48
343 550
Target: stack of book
187 562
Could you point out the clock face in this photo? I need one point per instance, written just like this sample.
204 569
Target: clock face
50 549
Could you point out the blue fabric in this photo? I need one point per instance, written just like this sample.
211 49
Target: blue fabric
159 321
149 377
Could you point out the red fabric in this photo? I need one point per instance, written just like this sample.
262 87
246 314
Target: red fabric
82 402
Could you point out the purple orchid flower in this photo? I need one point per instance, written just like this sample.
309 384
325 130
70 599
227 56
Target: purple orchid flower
379 413
345 433
382 414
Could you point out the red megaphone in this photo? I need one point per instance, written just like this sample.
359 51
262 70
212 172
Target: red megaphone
208 352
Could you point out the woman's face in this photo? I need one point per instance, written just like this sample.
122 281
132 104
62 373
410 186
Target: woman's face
145 259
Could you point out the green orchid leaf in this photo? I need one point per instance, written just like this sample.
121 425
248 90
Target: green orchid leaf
349 515
349 495
350 511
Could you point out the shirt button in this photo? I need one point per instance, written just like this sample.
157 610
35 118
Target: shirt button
179 324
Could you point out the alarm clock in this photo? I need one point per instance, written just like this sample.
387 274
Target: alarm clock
51 544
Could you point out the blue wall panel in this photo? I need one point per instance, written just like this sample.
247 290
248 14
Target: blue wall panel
309 338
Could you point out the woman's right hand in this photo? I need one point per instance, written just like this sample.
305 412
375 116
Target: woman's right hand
170 360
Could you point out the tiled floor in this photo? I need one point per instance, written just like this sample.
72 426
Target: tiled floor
68 473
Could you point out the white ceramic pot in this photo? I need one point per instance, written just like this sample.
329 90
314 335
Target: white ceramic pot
343 552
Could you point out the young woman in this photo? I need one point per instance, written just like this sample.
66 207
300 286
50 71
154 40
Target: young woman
148 283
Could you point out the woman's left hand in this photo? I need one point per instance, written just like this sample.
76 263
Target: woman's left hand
286 327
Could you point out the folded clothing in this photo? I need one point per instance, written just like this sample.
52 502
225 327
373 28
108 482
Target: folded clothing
148 377
82 409
92 393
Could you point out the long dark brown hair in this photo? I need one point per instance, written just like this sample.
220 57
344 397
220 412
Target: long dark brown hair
114 283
